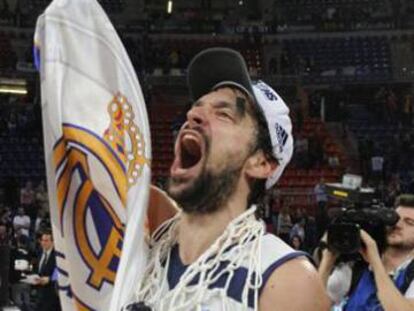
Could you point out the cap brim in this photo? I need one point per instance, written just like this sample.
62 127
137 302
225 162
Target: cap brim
216 67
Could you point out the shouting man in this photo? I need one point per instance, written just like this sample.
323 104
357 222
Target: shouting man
215 253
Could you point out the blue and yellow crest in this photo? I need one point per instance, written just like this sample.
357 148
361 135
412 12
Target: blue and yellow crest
93 175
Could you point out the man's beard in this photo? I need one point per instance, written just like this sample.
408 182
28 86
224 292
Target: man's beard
402 245
209 192
407 244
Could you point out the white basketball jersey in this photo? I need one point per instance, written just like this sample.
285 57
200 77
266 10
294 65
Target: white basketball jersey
274 253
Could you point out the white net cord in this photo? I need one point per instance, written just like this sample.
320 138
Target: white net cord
239 244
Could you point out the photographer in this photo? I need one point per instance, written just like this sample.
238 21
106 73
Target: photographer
19 268
385 282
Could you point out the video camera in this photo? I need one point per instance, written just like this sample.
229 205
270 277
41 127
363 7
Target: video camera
361 210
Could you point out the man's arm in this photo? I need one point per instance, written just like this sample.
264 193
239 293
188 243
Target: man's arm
327 261
326 265
294 286
390 297
45 278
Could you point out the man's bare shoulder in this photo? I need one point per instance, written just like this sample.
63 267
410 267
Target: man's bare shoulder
294 286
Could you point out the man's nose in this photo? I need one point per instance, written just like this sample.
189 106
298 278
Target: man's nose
398 225
197 116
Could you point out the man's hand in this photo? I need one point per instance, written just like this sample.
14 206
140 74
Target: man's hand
388 294
327 262
370 252
328 257
42 281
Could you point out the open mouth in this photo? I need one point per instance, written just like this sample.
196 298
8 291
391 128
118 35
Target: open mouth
189 152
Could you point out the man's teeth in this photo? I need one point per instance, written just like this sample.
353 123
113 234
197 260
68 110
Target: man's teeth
189 136
191 143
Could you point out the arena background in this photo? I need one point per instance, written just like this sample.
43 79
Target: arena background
345 68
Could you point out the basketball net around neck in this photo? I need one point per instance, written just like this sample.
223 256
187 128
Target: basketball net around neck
239 244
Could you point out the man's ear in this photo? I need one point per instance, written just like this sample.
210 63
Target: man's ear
259 166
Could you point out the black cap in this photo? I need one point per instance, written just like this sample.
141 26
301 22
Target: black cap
215 67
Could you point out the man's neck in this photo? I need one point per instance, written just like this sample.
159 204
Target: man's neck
394 257
47 250
197 232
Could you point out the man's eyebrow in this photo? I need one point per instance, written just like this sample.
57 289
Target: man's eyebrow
224 104
219 104
239 108
197 103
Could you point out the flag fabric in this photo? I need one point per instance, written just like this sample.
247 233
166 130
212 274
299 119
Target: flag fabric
97 153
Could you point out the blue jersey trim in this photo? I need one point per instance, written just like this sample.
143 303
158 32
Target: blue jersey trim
266 275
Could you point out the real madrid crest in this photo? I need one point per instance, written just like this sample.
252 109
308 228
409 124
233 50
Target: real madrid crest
93 175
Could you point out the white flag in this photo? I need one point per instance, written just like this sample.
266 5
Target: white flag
97 151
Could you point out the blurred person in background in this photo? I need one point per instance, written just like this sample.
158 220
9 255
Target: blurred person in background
386 281
284 224
21 223
42 221
298 229
41 197
296 243
47 299
27 195
19 267
27 201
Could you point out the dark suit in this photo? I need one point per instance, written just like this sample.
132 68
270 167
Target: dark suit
47 296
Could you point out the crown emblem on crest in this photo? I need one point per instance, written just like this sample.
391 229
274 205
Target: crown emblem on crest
125 137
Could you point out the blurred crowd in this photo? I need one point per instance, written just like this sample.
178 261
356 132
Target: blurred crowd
26 241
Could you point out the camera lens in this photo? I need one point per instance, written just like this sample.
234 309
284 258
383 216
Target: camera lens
344 238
